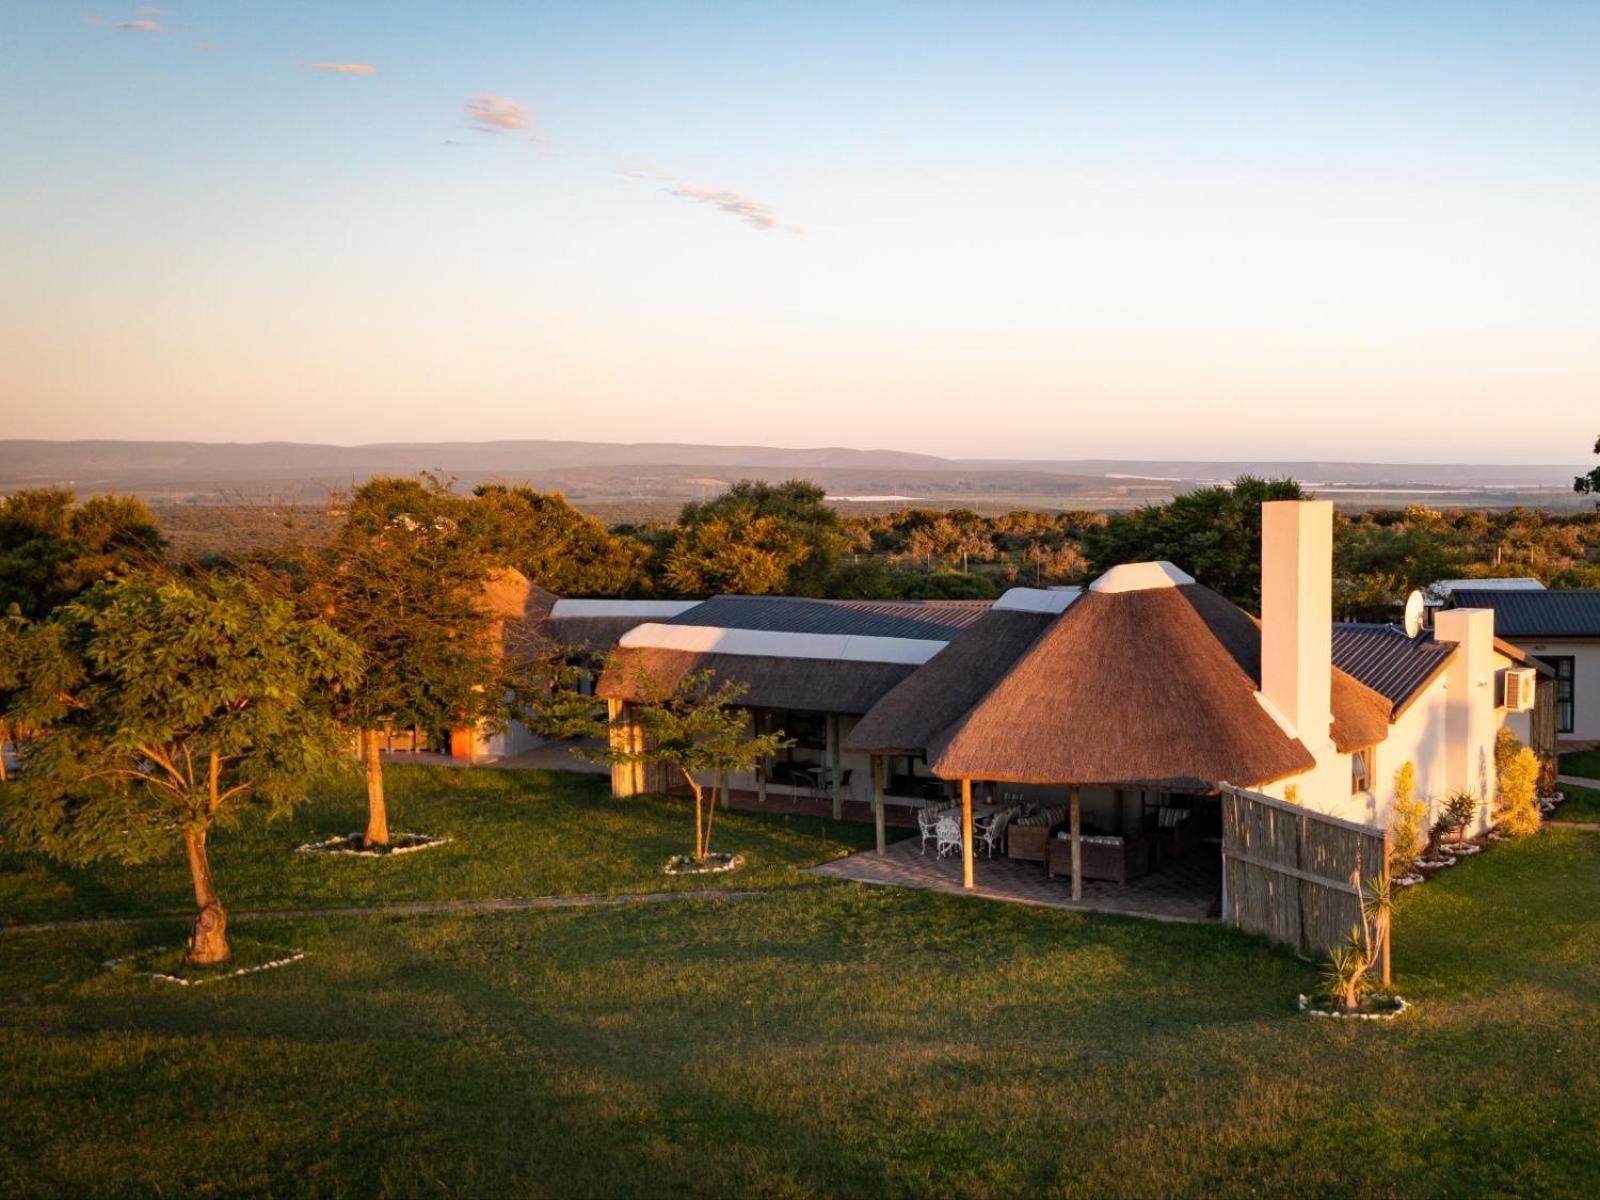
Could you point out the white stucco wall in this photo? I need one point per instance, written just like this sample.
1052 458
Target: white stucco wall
1586 682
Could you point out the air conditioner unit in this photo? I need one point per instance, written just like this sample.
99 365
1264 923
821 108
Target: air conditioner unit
1516 693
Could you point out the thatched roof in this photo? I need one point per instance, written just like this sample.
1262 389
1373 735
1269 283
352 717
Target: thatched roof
587 634
1152 687
934 697
807 684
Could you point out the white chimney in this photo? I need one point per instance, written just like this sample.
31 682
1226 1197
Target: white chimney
1297 616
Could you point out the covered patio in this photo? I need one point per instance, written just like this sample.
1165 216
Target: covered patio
1183 890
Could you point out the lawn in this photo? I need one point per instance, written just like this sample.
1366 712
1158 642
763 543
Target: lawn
1582 804
832 1039
1583 763
516 833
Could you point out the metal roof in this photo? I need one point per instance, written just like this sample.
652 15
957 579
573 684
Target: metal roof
1552 614
938 620
1395 666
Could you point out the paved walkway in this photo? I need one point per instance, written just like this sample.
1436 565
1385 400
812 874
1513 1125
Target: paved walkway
1579 781
1179 891
417 908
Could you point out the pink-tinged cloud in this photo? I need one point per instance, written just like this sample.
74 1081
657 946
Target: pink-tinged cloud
755 213
496 113
344 68
139 26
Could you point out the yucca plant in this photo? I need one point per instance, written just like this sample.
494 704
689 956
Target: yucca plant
1348 973
1459 812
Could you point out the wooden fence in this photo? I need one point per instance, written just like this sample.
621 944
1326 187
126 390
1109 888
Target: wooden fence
1291 873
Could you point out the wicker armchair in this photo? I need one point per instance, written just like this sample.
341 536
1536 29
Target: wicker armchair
1028 838
1116 858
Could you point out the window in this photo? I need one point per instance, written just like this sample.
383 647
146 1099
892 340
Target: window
1566 694
1361 771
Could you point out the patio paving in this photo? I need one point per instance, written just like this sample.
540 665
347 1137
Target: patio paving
1183 890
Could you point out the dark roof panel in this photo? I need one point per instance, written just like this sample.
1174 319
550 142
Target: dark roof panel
1387 661
931 620
1530 614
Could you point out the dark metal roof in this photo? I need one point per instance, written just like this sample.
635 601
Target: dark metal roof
1530 614
1395 666
932 620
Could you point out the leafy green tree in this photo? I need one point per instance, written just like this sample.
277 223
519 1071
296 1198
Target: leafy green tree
163 708
52 548
756 538
692 728
1213 533
404 580
558 547
1588 484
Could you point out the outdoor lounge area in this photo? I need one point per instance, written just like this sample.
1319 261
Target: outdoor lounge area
1176 889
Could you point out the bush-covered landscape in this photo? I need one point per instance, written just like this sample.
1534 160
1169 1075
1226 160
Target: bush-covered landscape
813 1039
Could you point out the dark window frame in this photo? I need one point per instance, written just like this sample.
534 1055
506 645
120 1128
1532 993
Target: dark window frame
1566 668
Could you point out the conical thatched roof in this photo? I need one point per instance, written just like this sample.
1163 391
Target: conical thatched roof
1154 686
934 697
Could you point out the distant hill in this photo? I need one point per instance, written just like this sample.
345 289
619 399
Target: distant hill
650 478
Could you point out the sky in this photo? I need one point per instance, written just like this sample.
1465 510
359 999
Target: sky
1054 230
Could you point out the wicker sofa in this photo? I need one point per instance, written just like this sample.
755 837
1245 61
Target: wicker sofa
1118 858
1028 838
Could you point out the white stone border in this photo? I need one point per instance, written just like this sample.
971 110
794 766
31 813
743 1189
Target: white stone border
331 846
1401 1004
682 864
1465 850
112 964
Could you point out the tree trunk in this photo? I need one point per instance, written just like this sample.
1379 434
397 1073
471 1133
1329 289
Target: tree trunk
208 942
5 736
377 811
699 842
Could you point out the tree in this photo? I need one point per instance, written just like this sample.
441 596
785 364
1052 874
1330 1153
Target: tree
404 581
692 728
1214 533
52 548
164 708
556 546
1588 484
1517 778
754 539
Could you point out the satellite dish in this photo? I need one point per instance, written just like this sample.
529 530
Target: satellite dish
1414 613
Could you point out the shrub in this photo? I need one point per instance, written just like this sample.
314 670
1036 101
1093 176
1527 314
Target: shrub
1517 777
1405 821
1460 810
1348 975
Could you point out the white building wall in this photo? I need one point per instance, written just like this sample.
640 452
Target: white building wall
1586 682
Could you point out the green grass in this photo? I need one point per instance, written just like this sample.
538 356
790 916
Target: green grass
1582 804
516 833
820 1041
1583 763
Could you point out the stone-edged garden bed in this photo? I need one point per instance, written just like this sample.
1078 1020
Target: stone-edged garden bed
1372 1008
167 964
712 864
353 845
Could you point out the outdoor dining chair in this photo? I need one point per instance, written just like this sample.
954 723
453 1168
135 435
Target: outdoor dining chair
947 835
991 831
928 825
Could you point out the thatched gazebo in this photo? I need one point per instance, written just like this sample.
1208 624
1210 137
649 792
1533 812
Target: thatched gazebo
1148 680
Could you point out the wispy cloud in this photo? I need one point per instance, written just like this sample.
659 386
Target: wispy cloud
143 26
755 213
344 68
152 12
497 113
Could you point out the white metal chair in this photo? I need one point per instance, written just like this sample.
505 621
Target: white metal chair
928 825
992 832
947 835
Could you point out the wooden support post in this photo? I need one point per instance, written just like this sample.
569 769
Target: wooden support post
833 767
966 833
759 722
1076 817
877 801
